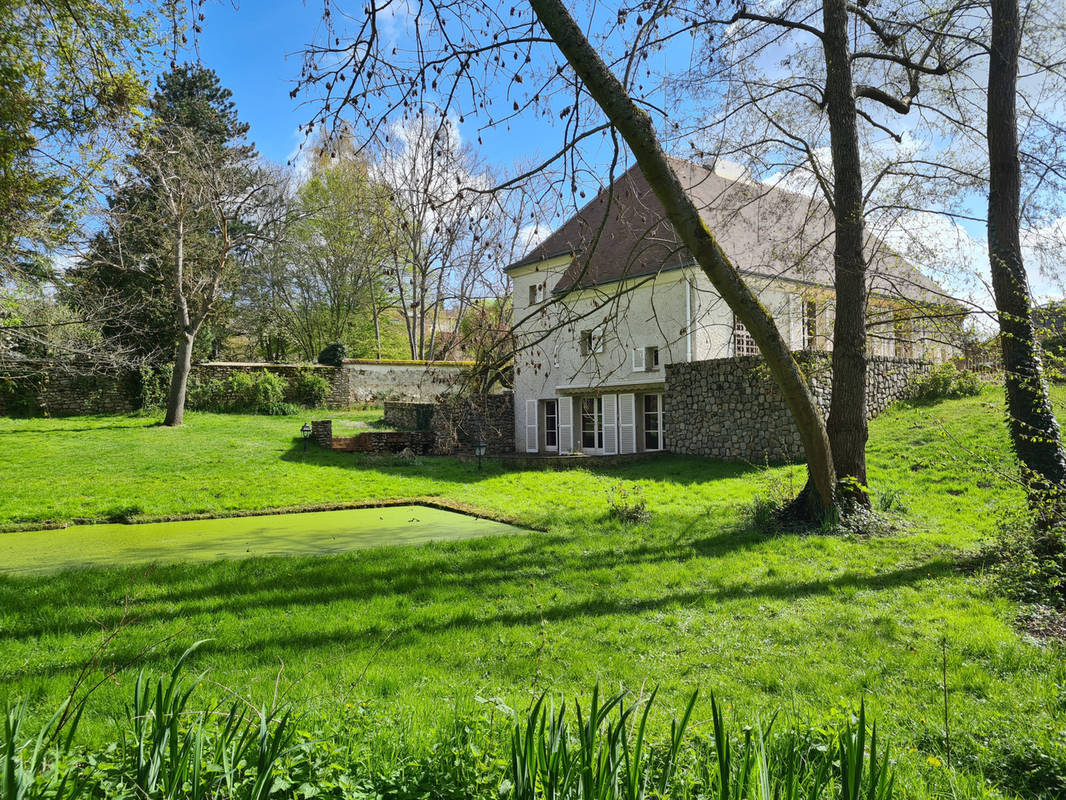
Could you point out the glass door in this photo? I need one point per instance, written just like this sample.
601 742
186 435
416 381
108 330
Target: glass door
592 424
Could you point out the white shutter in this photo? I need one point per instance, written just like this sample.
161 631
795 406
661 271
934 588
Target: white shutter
610 424
531 426
566 425
638 359
627 429
795 322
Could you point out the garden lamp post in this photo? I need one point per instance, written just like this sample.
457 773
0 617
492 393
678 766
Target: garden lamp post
306 431
479 450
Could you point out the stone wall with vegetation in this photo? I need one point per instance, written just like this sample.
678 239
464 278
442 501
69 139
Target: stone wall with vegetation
220 371
53 390
459 422
730 408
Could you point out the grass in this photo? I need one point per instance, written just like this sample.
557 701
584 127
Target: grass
693 597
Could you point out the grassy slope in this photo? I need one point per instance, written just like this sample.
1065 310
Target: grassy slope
693 597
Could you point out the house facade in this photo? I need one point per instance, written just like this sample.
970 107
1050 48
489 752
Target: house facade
606 302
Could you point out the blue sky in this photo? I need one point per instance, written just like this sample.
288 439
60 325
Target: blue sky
256 47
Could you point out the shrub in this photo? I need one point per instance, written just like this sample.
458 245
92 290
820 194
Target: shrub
255 392
309 389
153 386
627 504
1028 559
946 381
333 355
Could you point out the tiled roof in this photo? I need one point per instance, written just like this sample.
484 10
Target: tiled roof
623 233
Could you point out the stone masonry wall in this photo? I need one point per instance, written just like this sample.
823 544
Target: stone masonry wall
371 382
409 416
53 391
458 423
731 409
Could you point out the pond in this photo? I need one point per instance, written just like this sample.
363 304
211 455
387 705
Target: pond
309 533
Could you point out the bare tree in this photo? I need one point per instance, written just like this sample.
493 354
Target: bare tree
209 200
449 234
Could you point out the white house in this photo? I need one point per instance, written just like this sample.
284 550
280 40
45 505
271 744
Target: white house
611 297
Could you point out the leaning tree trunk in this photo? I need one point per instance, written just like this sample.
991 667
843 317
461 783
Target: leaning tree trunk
179 381
1034 432
635 127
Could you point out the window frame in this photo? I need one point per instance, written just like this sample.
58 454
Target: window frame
656 415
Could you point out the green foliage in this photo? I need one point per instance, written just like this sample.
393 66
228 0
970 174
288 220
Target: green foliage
163 747
945 381
697 598
260 392
627 504
153 386
18 397
70 77
333 355
1028 559
309 389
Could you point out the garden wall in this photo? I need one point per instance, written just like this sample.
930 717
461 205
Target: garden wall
730 408
409 416
52 390
459 422
372 382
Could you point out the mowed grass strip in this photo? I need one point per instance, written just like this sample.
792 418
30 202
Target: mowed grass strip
808 623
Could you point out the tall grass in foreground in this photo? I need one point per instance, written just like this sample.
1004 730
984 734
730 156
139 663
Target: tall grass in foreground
165 749
606 755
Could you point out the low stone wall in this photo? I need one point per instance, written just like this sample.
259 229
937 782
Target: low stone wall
371 382
458 423
52 390
418 442
409 416
731 409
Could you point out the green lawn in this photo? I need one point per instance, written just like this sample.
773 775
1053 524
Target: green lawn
694 597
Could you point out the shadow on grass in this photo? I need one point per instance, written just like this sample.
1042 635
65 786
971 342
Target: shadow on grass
680 469
133 424
386 635
442 579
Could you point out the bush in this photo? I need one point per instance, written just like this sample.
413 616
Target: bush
1028 559
153 386
627 505
309 389
255 392
333 355
945 381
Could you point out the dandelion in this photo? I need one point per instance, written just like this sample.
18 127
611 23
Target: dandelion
933 761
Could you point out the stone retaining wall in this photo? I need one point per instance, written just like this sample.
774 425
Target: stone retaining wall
731 409
458 423
409 416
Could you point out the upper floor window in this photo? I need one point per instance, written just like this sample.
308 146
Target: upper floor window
590 343
536 294
743 344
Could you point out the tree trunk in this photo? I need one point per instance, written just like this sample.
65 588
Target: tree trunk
846 424
635 127
179 381
1034 432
